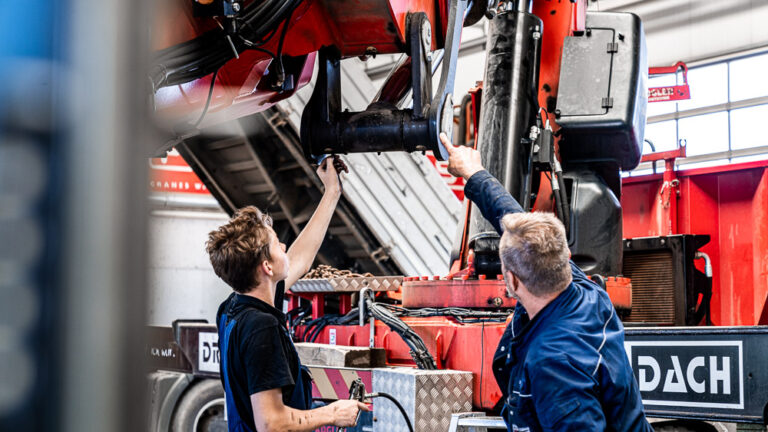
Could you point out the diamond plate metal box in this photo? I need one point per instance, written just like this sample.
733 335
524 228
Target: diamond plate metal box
428 396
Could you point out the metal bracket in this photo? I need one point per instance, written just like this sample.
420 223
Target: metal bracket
383 127
612 47
607 102
441 111
420 44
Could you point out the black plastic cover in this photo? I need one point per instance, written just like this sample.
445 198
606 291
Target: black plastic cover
603 95
596 228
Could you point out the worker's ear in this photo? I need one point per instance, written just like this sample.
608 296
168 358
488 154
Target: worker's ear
266 268
512 282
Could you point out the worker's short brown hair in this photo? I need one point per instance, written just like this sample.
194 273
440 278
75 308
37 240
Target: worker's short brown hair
237 248
535 249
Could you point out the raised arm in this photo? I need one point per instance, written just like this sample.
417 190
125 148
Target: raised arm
481 187
304 249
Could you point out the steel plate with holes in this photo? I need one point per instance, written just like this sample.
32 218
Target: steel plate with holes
378 283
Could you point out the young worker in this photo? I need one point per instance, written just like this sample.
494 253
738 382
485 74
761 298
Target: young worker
266 387
561 362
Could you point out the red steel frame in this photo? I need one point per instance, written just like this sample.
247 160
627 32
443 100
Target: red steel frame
728 203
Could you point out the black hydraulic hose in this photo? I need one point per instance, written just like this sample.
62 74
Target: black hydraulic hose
203 55
534 84
419 351
208 100
319 326
650 143
397 404
317 333
309 328
559 202
526 204
565 204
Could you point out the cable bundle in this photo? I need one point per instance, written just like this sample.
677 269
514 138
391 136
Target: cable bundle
208 52
315 327
419 352
464 316
389 315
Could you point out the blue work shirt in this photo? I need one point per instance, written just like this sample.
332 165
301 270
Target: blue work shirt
565 369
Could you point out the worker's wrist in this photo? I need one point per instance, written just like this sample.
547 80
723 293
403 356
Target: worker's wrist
468 175
335 415
333 192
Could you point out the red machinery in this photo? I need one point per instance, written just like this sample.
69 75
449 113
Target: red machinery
220 59
525 55
561 114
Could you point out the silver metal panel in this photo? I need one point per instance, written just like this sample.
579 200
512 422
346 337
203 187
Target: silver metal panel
475 422
400 196
428 396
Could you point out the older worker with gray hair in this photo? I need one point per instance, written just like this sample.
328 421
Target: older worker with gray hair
561 363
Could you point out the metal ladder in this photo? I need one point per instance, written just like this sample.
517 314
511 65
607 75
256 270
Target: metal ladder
475 422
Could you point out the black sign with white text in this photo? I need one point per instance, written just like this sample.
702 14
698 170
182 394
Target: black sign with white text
704 374
710 373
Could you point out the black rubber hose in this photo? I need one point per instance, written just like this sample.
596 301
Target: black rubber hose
319 325
203 55
309 328
558 203
564 200
397 404
419 351
319 330
207 101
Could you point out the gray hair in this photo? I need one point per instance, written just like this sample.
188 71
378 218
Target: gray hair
535 249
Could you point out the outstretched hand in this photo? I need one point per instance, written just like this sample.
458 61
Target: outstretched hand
462 161
329 171
345 412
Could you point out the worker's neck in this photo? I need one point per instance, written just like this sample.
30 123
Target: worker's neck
264 291
533 305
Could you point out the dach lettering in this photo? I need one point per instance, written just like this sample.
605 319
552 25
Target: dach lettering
679 380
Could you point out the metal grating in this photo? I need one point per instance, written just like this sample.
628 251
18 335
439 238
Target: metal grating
351 284
653 287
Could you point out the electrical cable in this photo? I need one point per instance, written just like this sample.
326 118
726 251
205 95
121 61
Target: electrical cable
280 67
394 401
207 101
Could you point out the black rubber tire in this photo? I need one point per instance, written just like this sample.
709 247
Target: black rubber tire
200 406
